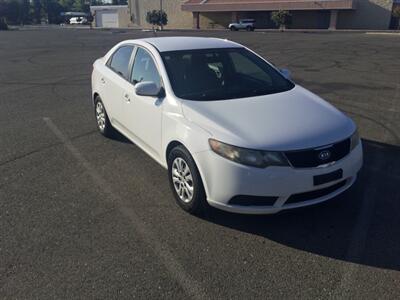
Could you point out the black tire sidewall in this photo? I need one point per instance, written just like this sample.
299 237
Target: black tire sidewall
108 130
198 203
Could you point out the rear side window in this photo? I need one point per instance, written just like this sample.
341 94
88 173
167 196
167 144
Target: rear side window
120 61
144 68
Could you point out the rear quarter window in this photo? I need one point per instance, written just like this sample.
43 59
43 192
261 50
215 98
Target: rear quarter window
119 61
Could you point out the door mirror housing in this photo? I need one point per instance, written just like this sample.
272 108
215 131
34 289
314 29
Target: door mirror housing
148 88
286 73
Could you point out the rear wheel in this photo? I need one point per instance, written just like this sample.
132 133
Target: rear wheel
103 122
233 28
185 181
249 28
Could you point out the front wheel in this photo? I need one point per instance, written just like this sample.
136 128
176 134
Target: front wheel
185 181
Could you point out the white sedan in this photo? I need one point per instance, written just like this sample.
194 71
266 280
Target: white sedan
78 20
233 131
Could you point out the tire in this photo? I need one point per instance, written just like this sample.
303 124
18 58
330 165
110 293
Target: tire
103 122
232 28
249 28
183 174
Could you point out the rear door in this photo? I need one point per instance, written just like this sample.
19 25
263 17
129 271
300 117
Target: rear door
114 80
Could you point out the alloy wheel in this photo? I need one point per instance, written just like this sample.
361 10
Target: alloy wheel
100 116
182 179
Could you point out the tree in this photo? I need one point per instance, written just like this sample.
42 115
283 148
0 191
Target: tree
119 2
25 10
3 23
77 5
157 17
281 18
396 14
37 7
14 11
54 9
10 11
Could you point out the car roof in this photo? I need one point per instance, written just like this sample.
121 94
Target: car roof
176 43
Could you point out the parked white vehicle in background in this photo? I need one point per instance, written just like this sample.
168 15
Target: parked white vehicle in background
78 20
247 24
233 131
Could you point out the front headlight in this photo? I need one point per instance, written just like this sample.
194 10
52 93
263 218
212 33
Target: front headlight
255 158
354 140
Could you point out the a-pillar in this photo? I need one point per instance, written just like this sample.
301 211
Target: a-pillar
196 20
333 20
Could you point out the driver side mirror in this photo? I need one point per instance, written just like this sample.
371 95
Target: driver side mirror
286 73
148 88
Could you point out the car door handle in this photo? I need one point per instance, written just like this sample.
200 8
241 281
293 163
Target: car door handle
127 99
103 80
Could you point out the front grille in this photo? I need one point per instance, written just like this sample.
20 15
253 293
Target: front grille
295 198
245 200
311 158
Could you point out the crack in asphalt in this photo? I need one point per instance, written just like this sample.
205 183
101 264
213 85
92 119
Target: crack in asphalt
44 148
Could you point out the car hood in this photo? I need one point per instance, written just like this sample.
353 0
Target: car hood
292 120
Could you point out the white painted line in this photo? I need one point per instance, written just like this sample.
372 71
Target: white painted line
358 241
393 108
177 271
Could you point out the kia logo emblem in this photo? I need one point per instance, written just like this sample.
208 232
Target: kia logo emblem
324 155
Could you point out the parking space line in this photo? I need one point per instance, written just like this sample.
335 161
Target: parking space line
175 268
358 240
394 107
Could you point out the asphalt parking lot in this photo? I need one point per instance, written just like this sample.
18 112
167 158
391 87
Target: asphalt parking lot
82 216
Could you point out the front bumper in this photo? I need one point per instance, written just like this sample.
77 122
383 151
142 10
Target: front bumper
224 179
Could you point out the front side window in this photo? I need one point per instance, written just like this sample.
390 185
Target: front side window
119 62
144 68
219 74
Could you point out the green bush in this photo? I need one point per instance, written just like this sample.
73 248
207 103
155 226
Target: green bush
157 18
3 24
281 18
396 12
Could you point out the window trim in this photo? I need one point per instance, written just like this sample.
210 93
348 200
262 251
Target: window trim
133 54
132 61
154 61
242 47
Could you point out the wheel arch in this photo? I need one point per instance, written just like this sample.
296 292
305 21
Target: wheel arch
95 95
172 145
175 143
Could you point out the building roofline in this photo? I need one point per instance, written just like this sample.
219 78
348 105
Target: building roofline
267 5
108 6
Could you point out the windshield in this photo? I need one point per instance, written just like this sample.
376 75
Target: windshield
219 74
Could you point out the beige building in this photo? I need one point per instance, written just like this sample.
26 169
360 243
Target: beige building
110 16
177 18
306 14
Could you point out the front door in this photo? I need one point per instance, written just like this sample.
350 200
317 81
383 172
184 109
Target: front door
142 114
